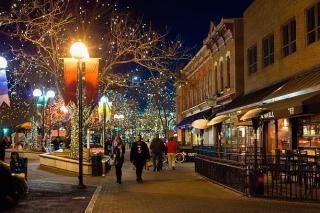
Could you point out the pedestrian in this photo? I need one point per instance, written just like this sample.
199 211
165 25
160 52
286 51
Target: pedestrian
16 164
171 152
2 149
138 156
118 152
157 150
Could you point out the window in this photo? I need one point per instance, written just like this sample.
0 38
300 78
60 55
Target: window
216 78
252 59
289 38
221 76
268 50
313 23
228 72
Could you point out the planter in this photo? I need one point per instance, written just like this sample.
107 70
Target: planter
60 161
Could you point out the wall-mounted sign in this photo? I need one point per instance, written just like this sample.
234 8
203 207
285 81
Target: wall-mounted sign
268 115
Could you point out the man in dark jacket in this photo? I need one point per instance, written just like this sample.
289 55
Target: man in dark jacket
157 149
139 155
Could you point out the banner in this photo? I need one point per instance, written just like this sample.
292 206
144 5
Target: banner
91 83
108 111
70 80
4 97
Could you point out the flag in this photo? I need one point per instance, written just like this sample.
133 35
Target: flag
4 97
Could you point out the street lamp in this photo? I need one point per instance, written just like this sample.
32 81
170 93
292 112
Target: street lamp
42 99
79 51
103 102
118 117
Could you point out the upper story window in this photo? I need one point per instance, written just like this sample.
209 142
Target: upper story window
289 38
313 23
216 78
268 50
252 59
228 72
221 76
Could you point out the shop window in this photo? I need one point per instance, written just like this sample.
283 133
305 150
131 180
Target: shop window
252 59
313 23
309 133
289 38
268 50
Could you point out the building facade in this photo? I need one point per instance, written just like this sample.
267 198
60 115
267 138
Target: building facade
212 78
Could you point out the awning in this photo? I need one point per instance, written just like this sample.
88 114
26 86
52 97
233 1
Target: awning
302 84
187 121
218 119
307 103
200 124
254 113
249 100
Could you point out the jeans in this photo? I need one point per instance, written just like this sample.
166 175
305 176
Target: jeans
157 162
139 168
119 171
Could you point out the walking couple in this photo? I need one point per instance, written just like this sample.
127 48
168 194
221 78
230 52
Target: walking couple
138 156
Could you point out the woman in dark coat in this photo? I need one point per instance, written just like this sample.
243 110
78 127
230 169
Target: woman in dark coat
118 152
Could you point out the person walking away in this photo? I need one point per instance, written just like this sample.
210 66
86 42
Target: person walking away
118 152
139 155
157 149
2 149
171 152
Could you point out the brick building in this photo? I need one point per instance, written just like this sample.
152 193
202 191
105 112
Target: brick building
212 78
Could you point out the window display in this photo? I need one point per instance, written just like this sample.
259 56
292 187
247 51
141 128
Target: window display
309 132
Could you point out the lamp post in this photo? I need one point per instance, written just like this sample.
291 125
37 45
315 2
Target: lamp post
42 99
104 103
79 51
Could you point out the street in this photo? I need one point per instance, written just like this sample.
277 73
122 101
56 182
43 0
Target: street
167 191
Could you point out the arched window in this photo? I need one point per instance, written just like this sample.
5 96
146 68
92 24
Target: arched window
228 73
221 76
216 78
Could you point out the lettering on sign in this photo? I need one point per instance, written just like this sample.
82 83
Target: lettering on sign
291 110
267 115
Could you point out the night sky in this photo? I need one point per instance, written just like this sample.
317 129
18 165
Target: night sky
188 18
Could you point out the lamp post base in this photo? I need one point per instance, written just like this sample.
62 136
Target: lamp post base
81 186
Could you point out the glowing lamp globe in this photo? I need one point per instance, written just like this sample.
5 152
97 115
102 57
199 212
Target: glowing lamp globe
79 50
37 93
64 109
103 99
3 63
50 94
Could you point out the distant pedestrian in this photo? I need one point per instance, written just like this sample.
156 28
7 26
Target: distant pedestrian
171 152
157 148
118 152
2 149
139 155
17 165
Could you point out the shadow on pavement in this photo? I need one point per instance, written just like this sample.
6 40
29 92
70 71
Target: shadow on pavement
54 197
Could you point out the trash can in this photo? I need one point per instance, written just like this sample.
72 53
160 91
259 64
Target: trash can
257 182
96 165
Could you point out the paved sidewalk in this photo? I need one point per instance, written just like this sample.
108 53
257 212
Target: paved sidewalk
168 191
54 197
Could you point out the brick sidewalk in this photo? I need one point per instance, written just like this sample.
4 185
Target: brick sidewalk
168 191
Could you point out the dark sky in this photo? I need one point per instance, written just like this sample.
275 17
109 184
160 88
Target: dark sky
188 18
